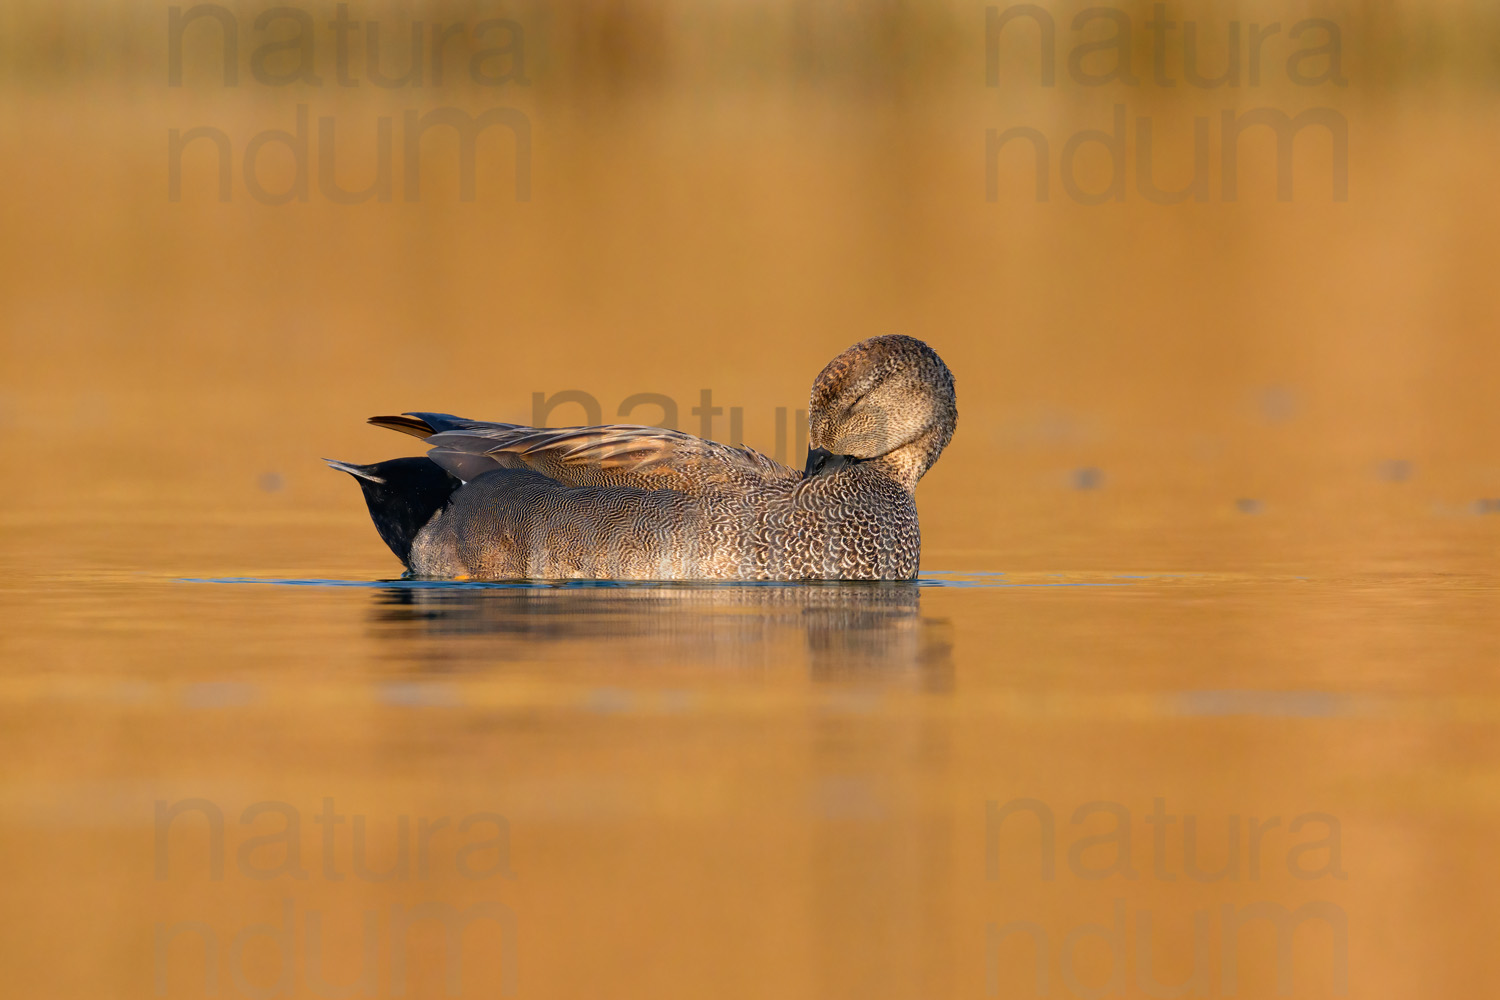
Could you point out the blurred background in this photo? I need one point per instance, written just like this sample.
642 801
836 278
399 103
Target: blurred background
724 196
1262 389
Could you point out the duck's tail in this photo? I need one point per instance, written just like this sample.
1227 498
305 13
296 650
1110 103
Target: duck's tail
403 495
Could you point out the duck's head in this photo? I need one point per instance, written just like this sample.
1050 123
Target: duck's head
888 400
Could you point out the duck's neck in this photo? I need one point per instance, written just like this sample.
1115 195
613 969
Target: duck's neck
908 463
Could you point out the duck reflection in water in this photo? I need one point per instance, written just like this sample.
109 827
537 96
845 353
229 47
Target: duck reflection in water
849 631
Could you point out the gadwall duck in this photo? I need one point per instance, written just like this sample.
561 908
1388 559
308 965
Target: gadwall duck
507 502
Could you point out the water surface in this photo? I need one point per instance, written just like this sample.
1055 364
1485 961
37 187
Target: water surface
741 790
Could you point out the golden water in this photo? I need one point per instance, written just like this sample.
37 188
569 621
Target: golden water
1273 597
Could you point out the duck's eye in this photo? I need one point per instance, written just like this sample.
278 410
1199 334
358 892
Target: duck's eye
853 404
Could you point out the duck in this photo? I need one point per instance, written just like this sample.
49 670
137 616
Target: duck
497 501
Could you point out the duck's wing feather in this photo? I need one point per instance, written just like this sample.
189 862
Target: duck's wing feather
608 455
